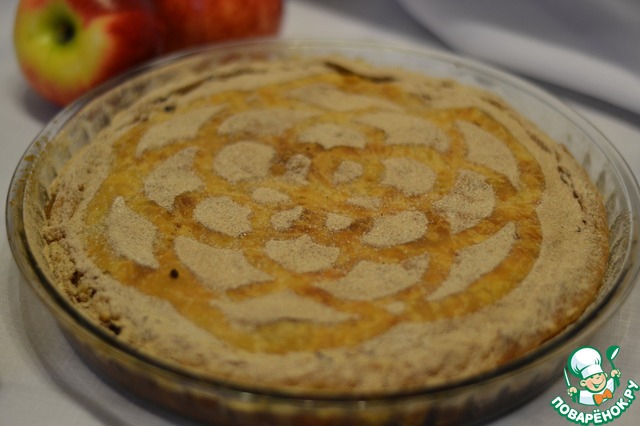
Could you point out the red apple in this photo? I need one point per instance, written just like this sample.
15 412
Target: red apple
66 47
192 22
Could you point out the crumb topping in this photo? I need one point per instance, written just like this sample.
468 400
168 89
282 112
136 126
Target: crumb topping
131 235
173 177
222 214
218 268
245 160
302 254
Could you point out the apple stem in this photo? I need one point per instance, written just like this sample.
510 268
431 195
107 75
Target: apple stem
65 32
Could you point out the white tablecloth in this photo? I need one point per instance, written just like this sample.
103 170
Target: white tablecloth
585 45
42 381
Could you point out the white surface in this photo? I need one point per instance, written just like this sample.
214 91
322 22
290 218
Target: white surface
41 379
585 45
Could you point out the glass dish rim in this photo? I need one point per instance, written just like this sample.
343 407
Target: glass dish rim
65 311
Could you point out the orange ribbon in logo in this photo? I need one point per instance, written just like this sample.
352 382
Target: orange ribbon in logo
599 398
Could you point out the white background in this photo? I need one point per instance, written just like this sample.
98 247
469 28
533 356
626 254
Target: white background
42 382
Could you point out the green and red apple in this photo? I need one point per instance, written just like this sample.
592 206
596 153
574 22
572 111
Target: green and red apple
66 47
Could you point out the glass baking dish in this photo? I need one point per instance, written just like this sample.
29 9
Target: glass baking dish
212 400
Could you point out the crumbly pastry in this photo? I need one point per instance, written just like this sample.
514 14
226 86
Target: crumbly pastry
323 224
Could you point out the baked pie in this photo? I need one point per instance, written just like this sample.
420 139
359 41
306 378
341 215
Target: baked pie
326 224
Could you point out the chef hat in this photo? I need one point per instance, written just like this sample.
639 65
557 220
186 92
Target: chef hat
586 362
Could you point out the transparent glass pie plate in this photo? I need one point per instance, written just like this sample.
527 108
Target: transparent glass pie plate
212 400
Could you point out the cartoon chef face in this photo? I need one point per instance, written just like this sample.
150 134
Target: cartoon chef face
595 383
586 364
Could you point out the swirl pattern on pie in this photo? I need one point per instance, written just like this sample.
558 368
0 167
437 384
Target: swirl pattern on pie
323 224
